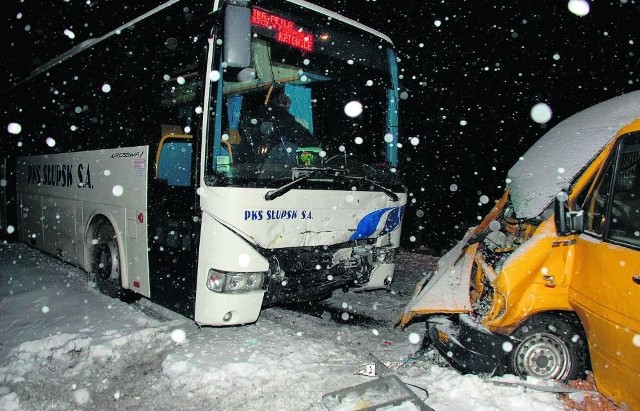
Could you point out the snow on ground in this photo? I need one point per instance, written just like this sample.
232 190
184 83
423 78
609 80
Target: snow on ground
65 346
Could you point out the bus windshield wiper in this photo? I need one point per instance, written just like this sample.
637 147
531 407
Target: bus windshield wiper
393 196
273 194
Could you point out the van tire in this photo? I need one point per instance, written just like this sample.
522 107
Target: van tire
105 263
550 346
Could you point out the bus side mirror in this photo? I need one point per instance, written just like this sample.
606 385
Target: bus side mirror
567 222
237 36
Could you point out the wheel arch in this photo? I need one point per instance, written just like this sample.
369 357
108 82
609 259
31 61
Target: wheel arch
571 316
94 220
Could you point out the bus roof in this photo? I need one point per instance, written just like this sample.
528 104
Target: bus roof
93 41
559 156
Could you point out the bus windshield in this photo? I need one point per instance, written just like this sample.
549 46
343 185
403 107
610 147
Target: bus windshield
317 93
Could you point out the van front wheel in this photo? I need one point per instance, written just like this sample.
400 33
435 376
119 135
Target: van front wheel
550 346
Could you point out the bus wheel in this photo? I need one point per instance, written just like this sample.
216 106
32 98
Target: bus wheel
106 260
550 347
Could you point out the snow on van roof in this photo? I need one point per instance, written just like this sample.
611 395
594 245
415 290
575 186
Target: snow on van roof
555 160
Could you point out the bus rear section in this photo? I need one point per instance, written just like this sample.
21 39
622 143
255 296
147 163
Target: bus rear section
89 209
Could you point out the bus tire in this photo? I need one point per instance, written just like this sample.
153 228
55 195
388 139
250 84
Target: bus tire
105 263
550 346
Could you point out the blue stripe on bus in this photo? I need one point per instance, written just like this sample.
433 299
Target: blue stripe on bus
393 220
369 223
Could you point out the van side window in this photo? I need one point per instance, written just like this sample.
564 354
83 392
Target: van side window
625 221
613 211
598 202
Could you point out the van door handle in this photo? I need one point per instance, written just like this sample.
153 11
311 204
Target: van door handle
636 279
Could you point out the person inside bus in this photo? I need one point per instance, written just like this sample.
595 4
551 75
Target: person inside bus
282 132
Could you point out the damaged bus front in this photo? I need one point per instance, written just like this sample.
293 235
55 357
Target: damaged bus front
536 291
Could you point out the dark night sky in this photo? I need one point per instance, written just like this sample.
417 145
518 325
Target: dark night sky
488 64
472 80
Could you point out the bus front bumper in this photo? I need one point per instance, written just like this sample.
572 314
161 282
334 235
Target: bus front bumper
223 309
467 346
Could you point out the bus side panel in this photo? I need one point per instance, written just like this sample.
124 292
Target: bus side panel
79 236
49 224
60 194
30 220
137 251
58 226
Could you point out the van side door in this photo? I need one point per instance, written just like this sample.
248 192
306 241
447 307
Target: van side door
605 287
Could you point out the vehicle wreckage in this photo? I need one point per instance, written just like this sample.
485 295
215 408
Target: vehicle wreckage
548 284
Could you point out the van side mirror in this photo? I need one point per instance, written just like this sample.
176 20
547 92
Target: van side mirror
237 36
567 221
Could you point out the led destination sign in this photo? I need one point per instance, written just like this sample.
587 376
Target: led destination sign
285 30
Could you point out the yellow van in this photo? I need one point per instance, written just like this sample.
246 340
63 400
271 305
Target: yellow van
548 284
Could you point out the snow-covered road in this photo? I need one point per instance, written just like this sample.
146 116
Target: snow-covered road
63 345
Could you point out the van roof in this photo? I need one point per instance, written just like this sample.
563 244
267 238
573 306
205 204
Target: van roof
556 159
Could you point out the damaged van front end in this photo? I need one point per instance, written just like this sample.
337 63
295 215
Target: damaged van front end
502 300
503 271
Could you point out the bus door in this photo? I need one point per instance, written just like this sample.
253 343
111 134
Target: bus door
171 222
173 209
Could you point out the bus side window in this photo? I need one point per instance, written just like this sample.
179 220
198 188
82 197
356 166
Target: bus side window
173 161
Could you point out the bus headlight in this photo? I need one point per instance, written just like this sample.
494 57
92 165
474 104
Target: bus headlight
220 281
254 281
216 280
235 282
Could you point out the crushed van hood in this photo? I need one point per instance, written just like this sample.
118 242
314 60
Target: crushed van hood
447 291
555 160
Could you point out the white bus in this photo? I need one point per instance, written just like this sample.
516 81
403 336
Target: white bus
153 157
